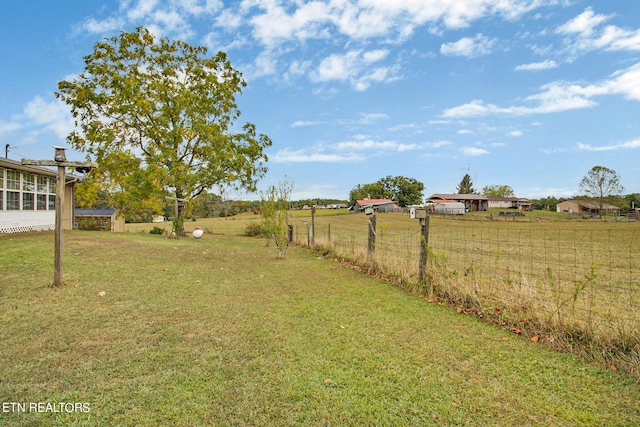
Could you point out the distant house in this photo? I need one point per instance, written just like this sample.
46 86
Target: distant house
472 202
28 198
378 205
585 206
509 203
99 219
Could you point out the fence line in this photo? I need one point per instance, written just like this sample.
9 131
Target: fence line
574 275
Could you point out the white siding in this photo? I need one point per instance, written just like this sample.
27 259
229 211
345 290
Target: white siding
19 221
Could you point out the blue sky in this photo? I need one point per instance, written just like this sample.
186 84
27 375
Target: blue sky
526 93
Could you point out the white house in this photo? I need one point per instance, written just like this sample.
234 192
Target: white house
28 198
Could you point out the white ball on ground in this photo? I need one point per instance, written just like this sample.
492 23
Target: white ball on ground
197 233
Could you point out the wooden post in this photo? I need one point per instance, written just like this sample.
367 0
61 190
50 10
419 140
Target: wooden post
60 161
424 241
60 184
371 247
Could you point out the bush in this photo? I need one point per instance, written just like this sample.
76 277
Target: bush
157 230
254 229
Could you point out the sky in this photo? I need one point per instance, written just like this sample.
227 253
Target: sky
526 93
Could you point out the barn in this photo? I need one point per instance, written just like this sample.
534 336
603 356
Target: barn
378 205
28 198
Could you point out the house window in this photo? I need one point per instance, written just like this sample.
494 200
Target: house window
52 186
27 202
28 189
42 184
13 180
28 182
13 201
41 200
52 202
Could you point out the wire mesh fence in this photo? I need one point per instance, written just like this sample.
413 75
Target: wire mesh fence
579 277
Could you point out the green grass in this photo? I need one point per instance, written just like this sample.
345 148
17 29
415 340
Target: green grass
218 332
569 281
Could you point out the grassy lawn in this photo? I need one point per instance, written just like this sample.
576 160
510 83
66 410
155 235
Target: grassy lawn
218 332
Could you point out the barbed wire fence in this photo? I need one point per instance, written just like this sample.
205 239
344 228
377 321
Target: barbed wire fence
578 282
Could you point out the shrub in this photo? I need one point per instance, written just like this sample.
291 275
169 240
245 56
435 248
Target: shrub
157 230
254 229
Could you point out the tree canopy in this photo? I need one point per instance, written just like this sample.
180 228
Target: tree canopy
466 185
497 191
159 116
402 190
601 182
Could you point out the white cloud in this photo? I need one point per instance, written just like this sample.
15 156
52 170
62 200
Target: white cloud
401 127
161 17
537 66
368 144
54 116
105 26
274 26
559 96
366 118
375 55
142 9
439 144
296 69
583 24
301 156
355 67
469 47
515 133
473 151
620 146
7 128
585 33
302 123
338 67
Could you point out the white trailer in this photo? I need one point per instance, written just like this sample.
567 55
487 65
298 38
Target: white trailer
448 208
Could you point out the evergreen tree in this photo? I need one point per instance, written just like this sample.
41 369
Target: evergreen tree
466 186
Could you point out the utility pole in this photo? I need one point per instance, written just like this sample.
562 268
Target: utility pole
59 160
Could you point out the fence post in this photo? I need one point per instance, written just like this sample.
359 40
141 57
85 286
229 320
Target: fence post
424 241
371 247
312 242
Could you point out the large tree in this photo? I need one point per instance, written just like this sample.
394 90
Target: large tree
497 191
601 182
466 185
402 190
159 115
